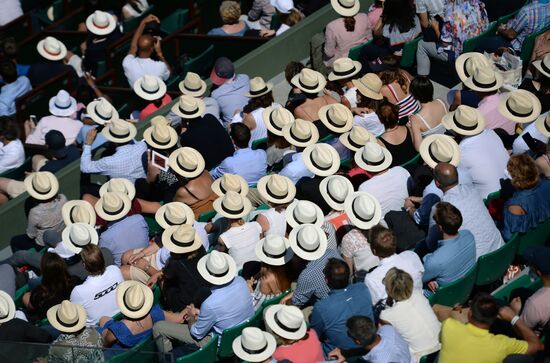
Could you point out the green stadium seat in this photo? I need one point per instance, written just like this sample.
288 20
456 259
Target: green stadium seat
259 144
174 21
409 53
492 196
414 160
135 355
456 292
206 354
535 237
206 216
19 295
504 292
492 266
470 44
356 51
529 43
225 349
327 138
201 64
275 300
154 227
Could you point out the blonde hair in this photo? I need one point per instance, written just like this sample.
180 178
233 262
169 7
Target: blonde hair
230 12
399 284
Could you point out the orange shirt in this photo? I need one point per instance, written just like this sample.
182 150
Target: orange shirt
304 351
150 108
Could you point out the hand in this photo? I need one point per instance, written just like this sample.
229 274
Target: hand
135 257
208 227
337 355
327 92
515 304
89 79
287 298
432 285
415 199
149 18
142 264
408 203
506 313
154 279
267 33
90 136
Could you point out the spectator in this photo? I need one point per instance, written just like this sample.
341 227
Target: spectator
518 107
13 11
288 16
101 112
231 89
543 162
254 345
275 118
375 12
12 153
396 138
342 77
520 146
55 54
299 133
260 14
102 31
356 251
428 12
362 210
295 95
395 88
134 9
61 155
279 192
368 98
230 12
465 65
15 87
194 86
153 90
231 182
539 85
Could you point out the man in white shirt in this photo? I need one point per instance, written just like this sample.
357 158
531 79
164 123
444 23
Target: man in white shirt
389 187
12 153
11 10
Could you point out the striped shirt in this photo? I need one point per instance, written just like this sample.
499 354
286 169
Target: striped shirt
407 106
530 19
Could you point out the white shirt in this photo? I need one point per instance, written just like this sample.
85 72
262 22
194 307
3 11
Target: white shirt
12 155
161 257
351 96
277 222
296 169
97 294
241 242
283 28
407 261
371 122
390 188
11 10
135 68
485 157
248 163
519 146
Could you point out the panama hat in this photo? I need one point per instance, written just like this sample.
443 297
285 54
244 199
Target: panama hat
373 157
41 185
467 63
336 117
160 136
119 131
276 189
62 104
304 212
274 250
113 206
301 133
119 185
465 120
346 7
101 111
134 299
543 125
484 80
283 6
520 106
321 159
309 81
7 307
181 239
254 345
51 49
218 268
276 118
189 107
286 321
543 65
258 87
174 214
78 211
192 85
437 148
186 162
343 68
308 241
100 23
335 189
356 138
67 317
363 210
77 235
232 205
369 86
227 182
149 87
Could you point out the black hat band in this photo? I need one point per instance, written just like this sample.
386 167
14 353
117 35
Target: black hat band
330 121
483 85
310 88
299 139
222 274
515 113
270 255
273 195
336 199
283 326
161 143
120 135
38 191
353 143
227 210
78 245
62 107
275 126
66 325
320 167
182 167
298 219
188 113
345 6
254 351
434 158
255 93
373 163
544 67
349 72
149 92
115 212
191 89
126 304
181 244
100 115
462 126
357 215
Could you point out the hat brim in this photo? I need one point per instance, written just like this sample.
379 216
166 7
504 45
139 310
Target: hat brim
356 68
52 319
265 194
192 93
197 113
127 205
499 81
11 307
275 328
66 238
506 112
352 216
132 132
323 116
461 61
247 207
345 140
367 92
173 247
217 280
65 112
217 189
323 188
150 96
217 80
543 126
255 357
388 159
42 51
148 137
293 222
538 65
307 158
449 123
280 261
91 111
125 310
308 255
425 154
287 134
321 83
268 88
128 186
160 217
92 28
173 163
266 116
54 183
68 207
345 11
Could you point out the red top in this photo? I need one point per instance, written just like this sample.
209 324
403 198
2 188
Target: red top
152 108
304 351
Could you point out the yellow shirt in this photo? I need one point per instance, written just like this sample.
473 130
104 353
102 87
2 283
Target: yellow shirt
470 344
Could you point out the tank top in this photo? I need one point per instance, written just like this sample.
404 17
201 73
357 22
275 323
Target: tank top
403 152
407 106
439 129
277 222
260 131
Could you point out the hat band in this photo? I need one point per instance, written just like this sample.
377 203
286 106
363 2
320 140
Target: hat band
184 168
100 26
181 244
434 158
191 89
273 123
544 67
51 53
515 113
126 304
62 107
271 255
115 212
311 88
373 163
79 245
216 274
462 126
255 93
464 69
188 113
161 143
227 210
273 195
170 223
336 199
41 192
353 143
483 85
298 219
546 125
320 167
297 138
331 121
345 73
283 326
254 351
120 135
150 92
62 323
346 6
100 115
362 219
223 190
71 215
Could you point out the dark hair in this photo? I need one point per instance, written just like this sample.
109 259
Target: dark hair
261 101
240 134
349 23
361 329
484 309
400 14
391 74
8 71
378 4
364 101
448 217
388 113
55 275
93 259
293 68
278 141
382 241
337 273
523 171
9 128
445 179
85 94
422 89
9 48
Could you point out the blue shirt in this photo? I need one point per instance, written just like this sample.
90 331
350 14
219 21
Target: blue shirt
10 92
125 234
231 96
227 306
219 31
296 169
248 163
124 163
330 315
392 348
81 137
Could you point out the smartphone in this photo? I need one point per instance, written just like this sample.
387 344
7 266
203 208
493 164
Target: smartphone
34 119
159 160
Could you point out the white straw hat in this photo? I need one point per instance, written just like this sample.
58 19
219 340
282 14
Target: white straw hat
346 7
119 131
192 85
343 68
336 117
254 345
301 133
189 107
134 299
465 120
321 159
119 185
101 111
100 23
274 250
335 189
304 212
259 87
286 321
187 162
7 307
41 185
230 182
51 49
67 317
232 205
160 136
276 118
356 138
438 148
520 106
181 239
174 214
113 206
218 268
308 242
543 65
369 86
62 104
363 210
543 124
373 157
467 63
149 87
78 211
309 81
484 80
77 235
276 189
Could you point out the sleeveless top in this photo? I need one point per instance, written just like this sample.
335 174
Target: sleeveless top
403 152
439 129
407 106
260 131
277 222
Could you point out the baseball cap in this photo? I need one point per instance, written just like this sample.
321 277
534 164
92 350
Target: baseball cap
283 6
539 258
222 71
56 143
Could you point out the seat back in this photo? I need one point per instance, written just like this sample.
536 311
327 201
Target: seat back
356 51
409 53
201 64
134 354
225 348
456 292
175 21
206 354
535 237
492 266
132 24
470 44
19 172
206 216
491 196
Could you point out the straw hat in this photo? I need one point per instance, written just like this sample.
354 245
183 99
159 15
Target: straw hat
343 68
484 80
436 149
308 242
7 307
363 210
113 206
309 81
42 185
356 138
465 120
346 7
119 131
101 111
187 162
189 107
78 211
304 212
543 125
67 317
218 268
373 157
335 189
258 87
51 49
276 118
160 136
100 23
120 185
301 133
181 239
336 117
192 85
227 182
77 235
254 345
62 104
369 85
543 65
160 120
321 159
276 189
520 106
149 87
174 214
134 299
232 205
467 63
274 250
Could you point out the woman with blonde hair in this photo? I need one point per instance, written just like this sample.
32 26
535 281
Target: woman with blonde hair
230 12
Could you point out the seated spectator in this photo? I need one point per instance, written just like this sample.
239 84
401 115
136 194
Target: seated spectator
153 90
334 189
138 62
12 153
279 192
275 119
518 107
396 89
55 54
100 111
345 300
230 89
368 98
15 87
295 96
254 345
428 12
103 30
356 251
300 134
194 86
375 12
62 108
345 71
9 50
465 66
539 85
396 139
230 13
134 9
288 16
259 16
61 155
543 162
520 146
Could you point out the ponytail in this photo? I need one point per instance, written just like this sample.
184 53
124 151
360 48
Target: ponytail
349 22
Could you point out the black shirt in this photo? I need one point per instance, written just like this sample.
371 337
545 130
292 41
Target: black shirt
17 330
544 98
44 71
95 49
55 165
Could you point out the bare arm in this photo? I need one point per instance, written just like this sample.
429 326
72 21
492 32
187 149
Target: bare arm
424 21
249 121
534 344
416 134
139 31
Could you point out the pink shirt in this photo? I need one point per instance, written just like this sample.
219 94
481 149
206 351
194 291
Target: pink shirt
66 125
338 41
304 351
493 118
374 15
537 309
150 108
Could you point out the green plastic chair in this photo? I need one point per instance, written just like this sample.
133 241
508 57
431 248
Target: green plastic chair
356 51
275 300
135 355
529 43
414 160
535 237
206 216
206 354
154 227
491 196
471 43
492 266
504 292
225 349
456 292
263 206
257 144
409 53
327 138
201 64
175 21
19 295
